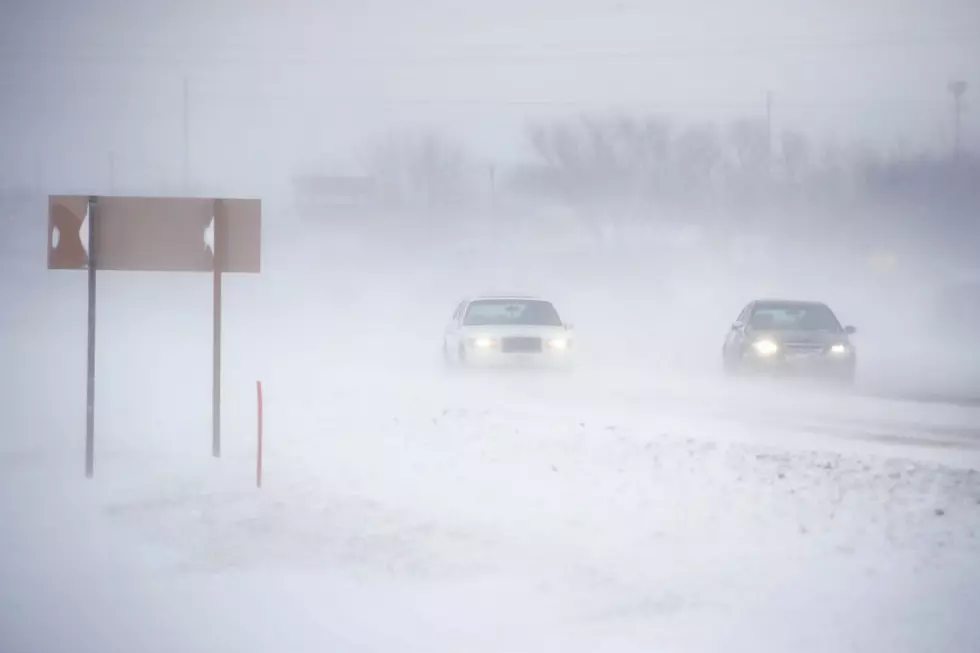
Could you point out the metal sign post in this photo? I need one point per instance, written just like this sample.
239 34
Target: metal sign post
91 215
258 453
218 231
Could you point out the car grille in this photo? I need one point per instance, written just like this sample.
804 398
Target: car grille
804 347
520 345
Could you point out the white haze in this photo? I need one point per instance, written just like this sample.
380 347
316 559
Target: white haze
641 503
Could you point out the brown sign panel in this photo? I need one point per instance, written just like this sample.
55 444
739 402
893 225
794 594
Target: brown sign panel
67 232
153 234
163 234
240 242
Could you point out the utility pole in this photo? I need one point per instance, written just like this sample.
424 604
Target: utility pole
112 172
768 132
957 89
39 170
492 170
186 170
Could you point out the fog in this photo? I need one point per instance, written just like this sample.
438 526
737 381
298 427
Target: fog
649 168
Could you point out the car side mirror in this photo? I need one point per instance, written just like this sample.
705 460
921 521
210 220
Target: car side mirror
849 330
737 326
569 326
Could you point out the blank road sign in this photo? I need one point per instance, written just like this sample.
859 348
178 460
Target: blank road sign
159 234
153 234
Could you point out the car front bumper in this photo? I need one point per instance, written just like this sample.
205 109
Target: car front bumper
818 365
491 359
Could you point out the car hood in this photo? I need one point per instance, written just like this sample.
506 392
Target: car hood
801 337
514 330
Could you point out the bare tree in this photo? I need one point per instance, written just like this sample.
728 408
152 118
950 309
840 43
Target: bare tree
600 156
697 153
423 169
795 151
749 140
566 152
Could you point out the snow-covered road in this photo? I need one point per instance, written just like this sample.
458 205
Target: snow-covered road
501 513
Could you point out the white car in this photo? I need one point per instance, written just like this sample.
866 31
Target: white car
507 331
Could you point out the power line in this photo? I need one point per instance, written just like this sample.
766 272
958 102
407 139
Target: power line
248 54
261 98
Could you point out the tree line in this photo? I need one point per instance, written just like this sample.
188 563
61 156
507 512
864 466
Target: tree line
652 163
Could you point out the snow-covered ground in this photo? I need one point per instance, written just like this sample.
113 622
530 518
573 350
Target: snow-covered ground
394 520
623 508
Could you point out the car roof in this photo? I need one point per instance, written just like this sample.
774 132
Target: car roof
505 296
788 302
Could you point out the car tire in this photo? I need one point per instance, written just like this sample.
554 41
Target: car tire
565 369
847 378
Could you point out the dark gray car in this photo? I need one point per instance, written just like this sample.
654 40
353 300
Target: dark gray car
785 337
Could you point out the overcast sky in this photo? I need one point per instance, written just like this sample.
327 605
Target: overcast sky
93 90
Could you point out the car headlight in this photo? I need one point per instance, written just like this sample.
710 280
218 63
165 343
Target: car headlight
559 343
484 343
839 349
765 347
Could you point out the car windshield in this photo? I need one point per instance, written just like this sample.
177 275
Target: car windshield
794 317
527 312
